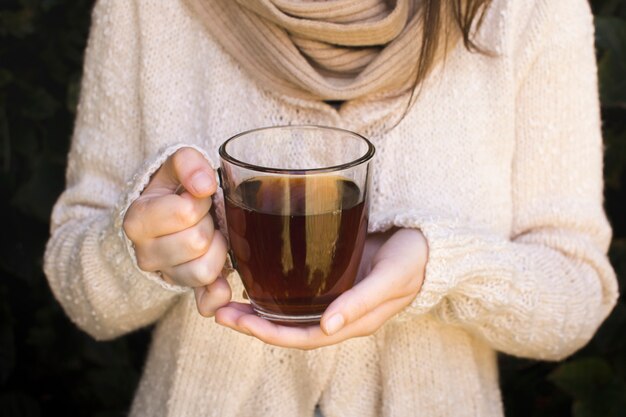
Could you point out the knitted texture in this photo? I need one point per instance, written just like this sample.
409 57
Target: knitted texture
323 50
498 162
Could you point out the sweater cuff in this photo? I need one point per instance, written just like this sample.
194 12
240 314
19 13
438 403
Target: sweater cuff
456 253
135 187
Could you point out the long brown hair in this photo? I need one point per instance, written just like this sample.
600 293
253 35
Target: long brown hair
440 17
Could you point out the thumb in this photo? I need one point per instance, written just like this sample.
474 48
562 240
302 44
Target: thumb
189 168
375 289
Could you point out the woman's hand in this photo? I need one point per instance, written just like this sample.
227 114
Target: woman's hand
173 232
392 272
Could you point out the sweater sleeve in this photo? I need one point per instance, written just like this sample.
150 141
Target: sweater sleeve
89 262
542 292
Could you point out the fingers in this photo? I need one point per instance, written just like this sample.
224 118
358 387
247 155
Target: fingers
213 296
186 167
176 248
395 279
203 270
373 320
397 272
384 282
241 317
149 218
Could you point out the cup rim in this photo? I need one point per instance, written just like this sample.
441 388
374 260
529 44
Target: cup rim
368 155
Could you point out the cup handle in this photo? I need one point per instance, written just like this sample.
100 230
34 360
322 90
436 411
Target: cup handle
220 182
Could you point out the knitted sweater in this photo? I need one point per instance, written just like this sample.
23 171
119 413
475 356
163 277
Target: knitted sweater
498 163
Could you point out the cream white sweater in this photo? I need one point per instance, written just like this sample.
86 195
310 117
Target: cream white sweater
499 163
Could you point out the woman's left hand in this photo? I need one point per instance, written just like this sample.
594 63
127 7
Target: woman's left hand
390 276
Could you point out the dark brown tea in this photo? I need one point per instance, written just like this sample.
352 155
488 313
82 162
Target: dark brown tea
297 241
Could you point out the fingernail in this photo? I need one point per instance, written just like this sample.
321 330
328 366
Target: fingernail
334 324
202 182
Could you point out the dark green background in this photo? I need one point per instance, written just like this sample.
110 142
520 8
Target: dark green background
48 367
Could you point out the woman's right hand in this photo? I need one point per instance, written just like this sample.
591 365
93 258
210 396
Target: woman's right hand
173 232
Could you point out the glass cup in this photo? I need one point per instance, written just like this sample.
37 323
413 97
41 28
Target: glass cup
296 200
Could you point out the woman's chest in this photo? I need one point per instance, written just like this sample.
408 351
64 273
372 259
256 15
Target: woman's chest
449 153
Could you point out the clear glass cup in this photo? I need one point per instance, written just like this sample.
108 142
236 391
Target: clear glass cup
296 201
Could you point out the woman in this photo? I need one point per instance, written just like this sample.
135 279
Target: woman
487 227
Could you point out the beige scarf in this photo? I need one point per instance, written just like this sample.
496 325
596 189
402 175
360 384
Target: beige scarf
328 50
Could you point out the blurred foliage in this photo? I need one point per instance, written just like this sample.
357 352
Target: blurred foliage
48 367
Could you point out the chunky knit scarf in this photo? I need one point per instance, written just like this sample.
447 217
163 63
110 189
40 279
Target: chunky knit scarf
327 50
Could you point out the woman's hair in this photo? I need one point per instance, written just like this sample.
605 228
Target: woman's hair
440 18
